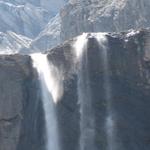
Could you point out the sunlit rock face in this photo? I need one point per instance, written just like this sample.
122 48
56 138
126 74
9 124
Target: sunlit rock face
49 37
25 22
103 15
27 17
11 43
105 79
50 5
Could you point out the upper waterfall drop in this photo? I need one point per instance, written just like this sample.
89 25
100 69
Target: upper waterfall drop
79 45
109 122
49 97
52 76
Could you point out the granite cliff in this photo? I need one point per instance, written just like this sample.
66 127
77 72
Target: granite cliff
21 111
80 16
48 23
26 19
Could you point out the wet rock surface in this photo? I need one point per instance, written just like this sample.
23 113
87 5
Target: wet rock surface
129 78
21 113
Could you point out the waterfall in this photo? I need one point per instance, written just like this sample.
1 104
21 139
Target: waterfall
52 90
87 122
109 125
50 94
87 131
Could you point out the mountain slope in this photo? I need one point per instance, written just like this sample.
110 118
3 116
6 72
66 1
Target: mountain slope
27 17
105 15
11 42
30 18
52 6
49 37
22 19
37 20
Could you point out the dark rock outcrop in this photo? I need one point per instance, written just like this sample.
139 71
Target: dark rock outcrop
21 124
21 113
128 58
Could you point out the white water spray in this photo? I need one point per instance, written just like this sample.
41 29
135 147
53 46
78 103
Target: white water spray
80 45
102 40
87 131
50 94
53 77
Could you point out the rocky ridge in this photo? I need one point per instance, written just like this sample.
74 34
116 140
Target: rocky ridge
11 42
103 16
28 18
76 17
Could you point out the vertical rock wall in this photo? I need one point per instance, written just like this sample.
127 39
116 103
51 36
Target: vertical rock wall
21 113
129 76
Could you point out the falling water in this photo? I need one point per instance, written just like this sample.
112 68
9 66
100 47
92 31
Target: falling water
87 131
50 94
102 40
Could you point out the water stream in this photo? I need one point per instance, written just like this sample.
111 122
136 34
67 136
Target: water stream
109 125
49 95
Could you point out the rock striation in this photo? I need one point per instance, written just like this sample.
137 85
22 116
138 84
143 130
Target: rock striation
128 60
20 109
80 16
25 19
42 22
11 42
21 112
34 20
49 37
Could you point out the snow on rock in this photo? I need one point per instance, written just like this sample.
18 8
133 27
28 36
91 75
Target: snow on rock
29 19
11 43
103 16
53 6
49 37
24 19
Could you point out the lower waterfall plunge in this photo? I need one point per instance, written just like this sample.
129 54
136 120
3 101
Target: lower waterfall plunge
84 96
49 90
87 122
102 40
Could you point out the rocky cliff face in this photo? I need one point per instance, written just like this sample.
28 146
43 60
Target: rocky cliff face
11 42
128 75
34 19
79 16
21 112
20 109
37 20
50 5
25 19
103 16
49 37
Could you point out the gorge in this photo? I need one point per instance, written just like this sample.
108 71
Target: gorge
91 92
